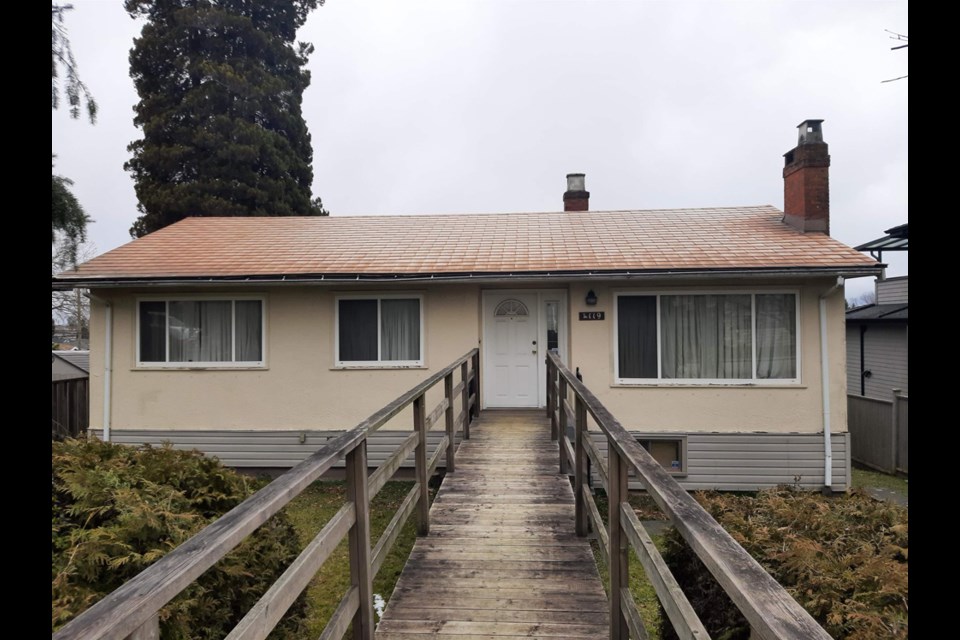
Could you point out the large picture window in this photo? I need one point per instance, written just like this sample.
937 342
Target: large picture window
190 332
379 331
731 337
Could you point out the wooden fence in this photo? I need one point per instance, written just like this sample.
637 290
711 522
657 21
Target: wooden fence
771 612
879 431
70 414
132 610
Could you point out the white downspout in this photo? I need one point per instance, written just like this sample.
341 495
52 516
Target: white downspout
107 363
825 386
108 370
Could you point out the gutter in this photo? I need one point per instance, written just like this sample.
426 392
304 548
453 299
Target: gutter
107 364
825 387
460 277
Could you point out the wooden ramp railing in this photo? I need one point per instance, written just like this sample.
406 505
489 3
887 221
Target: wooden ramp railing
771 612
132 610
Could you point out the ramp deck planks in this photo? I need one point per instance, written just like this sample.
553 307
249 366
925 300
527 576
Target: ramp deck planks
502 559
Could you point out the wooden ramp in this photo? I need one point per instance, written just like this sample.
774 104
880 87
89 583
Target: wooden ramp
502 559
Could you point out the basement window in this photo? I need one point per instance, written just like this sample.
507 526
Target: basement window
671 453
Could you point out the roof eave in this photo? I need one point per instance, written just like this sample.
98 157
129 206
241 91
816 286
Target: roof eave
856 271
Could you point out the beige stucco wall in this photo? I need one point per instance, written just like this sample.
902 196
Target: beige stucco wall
298 389
301 389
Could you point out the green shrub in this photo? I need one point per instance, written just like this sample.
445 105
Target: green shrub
844 559
118 509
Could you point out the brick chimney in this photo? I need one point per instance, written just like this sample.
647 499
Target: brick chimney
576 198
806 184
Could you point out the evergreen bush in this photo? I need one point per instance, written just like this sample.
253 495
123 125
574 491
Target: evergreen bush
118 509
844 559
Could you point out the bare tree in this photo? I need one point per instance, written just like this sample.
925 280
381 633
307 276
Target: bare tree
868 297
71 308
899 37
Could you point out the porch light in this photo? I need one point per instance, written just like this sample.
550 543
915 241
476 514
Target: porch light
591 299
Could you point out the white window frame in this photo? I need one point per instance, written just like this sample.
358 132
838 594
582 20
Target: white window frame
377 364
230 364
740 382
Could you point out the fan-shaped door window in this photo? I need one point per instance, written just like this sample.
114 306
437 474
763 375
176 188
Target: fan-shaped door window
511 309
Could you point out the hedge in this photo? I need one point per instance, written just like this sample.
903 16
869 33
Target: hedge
118 509
844 559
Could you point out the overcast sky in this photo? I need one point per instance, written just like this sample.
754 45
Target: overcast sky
461 106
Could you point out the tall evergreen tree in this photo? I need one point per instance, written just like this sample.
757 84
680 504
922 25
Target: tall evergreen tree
68 217
221 85
64 63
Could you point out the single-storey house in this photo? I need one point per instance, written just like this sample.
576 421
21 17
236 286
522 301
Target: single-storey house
877 342
715 335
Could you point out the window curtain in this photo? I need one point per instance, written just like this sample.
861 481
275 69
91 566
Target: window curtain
249 325
706 337
400 329
358 330
153 321
776 336
201 331
637 336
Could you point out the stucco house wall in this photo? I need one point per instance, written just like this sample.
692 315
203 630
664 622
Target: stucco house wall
300 387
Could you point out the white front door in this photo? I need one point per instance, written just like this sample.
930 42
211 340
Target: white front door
511 355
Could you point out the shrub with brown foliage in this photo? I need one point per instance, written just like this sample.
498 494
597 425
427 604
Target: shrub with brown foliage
844 559
118 509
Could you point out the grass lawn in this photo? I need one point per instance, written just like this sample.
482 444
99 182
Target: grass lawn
643 593
868 478
312 509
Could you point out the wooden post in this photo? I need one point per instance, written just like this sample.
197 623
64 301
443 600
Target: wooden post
561 396
580 473
359 540
451 431
618 560
149 630
465 400
551 399
420 426
895 431
476 385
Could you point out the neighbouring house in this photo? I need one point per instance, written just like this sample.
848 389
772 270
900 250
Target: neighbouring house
69 365
877 333
877 372
877 338
702 330
70 399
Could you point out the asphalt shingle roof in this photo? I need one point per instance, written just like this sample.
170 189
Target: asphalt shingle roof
721 238
896 311
79 359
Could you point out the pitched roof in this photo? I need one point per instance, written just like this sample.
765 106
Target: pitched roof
895 311
79 359
733 238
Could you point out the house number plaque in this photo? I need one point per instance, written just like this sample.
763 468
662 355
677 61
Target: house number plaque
591 315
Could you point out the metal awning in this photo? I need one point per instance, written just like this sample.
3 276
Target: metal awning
895 240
